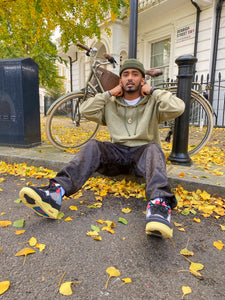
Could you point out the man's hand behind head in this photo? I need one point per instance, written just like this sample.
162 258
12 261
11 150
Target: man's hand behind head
145 89
117 91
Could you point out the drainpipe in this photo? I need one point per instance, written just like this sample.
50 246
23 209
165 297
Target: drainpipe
215 48
196 33
71 71
133 29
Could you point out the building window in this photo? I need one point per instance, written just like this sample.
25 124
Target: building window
160 58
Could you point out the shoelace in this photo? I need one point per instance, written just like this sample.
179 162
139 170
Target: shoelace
156 208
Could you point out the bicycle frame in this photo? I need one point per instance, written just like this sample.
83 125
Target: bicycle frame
89 87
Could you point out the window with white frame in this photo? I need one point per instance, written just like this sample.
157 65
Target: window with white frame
160 59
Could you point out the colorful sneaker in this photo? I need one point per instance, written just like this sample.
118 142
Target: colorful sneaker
158 215
45 201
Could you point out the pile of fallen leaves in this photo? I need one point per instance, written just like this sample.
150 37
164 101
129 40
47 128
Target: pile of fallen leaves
188 201
25 171
191 202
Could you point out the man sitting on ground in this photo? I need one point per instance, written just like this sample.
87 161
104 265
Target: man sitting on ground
132 111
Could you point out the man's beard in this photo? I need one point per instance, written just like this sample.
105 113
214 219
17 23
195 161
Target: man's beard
130 89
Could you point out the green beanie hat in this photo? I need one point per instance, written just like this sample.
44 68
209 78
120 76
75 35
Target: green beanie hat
132 63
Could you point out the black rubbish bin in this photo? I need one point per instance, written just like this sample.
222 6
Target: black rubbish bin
19 103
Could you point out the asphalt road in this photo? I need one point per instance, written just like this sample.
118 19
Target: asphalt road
156 268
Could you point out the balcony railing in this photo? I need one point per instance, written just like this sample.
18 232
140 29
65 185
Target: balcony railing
143 4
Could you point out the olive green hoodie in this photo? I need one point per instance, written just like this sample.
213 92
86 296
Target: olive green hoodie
133 125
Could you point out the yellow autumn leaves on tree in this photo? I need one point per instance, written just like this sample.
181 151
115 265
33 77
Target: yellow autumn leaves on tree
27 28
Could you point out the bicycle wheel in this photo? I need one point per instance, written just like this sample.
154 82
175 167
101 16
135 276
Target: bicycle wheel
65 128
200 122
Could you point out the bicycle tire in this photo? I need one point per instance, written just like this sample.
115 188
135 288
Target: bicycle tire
200 122
61 128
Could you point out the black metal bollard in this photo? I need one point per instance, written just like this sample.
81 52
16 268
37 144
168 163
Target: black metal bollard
179 154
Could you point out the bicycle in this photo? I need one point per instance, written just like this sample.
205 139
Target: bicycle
67 129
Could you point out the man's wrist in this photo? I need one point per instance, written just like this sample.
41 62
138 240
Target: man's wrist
110 95
153 89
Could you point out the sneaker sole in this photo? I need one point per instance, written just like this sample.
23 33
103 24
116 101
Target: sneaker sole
159 230
32 200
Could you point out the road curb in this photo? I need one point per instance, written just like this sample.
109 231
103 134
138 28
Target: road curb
189 185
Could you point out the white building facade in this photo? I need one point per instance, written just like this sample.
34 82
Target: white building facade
167 29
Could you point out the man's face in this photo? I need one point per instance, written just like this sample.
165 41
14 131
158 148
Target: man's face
131 80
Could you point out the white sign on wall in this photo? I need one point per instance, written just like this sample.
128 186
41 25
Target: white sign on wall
184 33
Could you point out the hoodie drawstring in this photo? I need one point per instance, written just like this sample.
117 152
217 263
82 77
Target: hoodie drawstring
125 120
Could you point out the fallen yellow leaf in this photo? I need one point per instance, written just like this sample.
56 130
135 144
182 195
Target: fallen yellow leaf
113 272
98 238
126 210
222 227
109 229
25 252
4 285
177 224
32 241
181 174
127 280
197 220
186 290
5 223
218 244
103 193
181 229
196 266
65 288
186 252
68 219
72 207
78 195
205 195
110 223
41 247
18 232
97 204
92 233
100 221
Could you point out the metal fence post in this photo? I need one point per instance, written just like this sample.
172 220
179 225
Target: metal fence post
179 154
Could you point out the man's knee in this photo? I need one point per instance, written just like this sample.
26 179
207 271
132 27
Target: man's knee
92 144
91 148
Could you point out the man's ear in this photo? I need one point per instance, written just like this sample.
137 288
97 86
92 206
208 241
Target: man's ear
142 81
120 82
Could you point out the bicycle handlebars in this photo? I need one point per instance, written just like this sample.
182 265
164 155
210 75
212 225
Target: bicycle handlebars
111 59
154 72
83 47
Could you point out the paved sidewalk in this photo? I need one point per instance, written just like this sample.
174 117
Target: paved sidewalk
190 177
